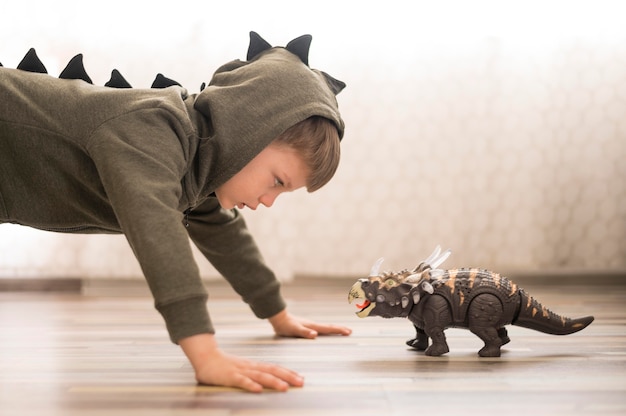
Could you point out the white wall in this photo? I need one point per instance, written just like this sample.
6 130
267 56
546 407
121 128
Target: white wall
494 128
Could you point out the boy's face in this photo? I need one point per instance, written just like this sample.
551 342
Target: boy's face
275 170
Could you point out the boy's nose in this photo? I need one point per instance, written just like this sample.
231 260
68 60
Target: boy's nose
268 198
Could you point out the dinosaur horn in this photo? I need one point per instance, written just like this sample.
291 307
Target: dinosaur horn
433 255
439 260
75 70
257 45
300 47
32 63
376 267
117 80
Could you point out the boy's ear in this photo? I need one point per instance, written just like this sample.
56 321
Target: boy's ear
257 45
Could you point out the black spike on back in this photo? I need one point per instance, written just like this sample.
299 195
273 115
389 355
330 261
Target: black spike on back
31 63
75 70
163 82
300 47
117 80
257 45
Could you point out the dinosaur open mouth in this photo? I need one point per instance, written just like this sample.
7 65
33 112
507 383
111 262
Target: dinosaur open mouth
363 305
357 294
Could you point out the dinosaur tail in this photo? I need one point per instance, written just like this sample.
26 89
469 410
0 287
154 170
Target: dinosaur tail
534 315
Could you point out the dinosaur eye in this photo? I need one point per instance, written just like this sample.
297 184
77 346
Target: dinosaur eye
390 282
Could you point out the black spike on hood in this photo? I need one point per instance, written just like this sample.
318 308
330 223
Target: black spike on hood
162 81
245 106
257 45
250 103
334 84
300 47
117 80
32 63
75 70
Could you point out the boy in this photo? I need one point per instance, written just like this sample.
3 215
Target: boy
162 166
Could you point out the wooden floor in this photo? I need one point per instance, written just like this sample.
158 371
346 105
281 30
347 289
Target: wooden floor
106 353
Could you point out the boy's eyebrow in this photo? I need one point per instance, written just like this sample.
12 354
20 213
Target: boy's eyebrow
284 177
287 181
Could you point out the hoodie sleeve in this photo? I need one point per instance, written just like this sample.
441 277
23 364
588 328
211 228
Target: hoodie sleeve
140 162
224 239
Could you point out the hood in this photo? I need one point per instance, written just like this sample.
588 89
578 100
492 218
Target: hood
248 104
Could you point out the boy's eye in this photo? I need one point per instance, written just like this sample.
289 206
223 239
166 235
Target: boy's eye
278 182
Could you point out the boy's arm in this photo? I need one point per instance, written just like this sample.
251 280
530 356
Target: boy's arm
222 236
141 172
224 239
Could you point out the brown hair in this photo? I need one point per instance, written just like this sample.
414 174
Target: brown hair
316 140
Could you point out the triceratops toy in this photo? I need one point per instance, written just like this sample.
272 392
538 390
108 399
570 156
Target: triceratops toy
434 300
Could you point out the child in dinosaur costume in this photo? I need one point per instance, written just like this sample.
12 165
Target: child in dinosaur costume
161 166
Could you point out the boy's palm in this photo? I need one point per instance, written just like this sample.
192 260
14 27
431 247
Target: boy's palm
286 325
215 367
227 370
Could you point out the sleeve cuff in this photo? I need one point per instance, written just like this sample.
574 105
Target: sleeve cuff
186 317
267 304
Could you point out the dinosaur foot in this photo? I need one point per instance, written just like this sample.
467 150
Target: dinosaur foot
504 336
436 350
489 351
418 344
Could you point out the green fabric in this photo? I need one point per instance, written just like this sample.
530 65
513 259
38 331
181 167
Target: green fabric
81 158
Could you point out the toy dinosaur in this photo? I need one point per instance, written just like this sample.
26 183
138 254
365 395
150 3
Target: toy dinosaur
433 300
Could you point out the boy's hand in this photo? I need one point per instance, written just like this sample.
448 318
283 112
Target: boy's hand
286 325
214 367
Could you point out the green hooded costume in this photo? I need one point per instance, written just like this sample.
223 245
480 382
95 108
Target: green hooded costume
80 158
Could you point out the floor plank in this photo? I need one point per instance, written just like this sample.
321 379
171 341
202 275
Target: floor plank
102 354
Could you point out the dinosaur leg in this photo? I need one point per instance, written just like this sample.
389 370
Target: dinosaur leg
504 335
420 342
437 318
484 313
